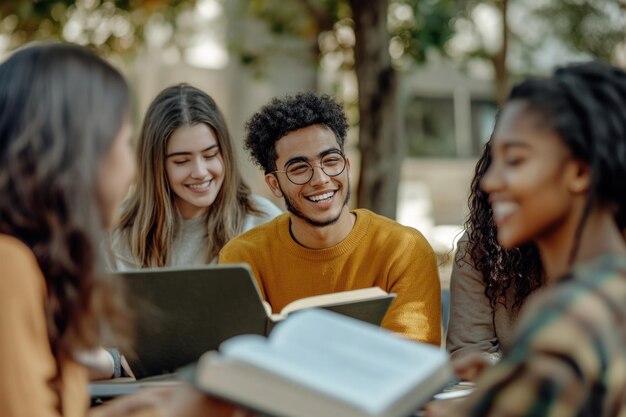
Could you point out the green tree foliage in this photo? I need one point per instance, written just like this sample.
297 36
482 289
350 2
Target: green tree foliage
415 26
421 26
528 28
109 26
595 27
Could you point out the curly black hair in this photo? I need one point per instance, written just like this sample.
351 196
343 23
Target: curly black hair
500 268
283 115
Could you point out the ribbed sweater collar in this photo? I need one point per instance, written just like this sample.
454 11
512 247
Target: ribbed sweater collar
356 235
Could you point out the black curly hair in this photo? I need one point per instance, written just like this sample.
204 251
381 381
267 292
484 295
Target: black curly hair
283 115
499 267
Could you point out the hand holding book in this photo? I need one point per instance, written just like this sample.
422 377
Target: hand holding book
366 304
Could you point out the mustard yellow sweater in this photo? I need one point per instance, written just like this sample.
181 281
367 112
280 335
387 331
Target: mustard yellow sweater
377 252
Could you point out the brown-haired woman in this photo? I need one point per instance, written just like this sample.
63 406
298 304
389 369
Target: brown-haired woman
65 164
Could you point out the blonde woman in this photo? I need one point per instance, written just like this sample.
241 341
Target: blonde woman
189 198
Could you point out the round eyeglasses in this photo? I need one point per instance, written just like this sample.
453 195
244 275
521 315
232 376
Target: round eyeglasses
301 172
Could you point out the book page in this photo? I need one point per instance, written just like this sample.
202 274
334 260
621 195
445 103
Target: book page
461 389
358 363
332 298
264 392
268 308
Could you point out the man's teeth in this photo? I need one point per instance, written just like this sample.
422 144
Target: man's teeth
321 197
501 210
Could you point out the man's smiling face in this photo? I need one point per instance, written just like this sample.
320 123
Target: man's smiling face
322 200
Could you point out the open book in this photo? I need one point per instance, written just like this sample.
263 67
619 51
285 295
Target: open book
366 304
318 363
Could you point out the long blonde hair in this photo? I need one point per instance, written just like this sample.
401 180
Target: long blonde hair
150 218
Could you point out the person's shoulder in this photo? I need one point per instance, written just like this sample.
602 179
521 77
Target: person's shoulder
119 256
266 212
463 238
604 276
380 221
391 229
266 206
118 241
246 245
19 267
14 252
462 255
604 267
262 234
587 300
602 282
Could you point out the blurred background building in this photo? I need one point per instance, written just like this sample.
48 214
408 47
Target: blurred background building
439 68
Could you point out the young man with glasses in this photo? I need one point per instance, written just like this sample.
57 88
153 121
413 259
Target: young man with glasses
320 246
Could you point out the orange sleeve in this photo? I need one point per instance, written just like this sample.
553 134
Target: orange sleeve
26 360
27 364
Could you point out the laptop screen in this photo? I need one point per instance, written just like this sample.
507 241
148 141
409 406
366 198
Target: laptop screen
180 313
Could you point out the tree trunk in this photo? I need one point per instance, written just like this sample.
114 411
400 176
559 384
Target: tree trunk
499 59
322 22
381 145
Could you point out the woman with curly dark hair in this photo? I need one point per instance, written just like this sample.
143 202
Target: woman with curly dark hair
489 283
556 181
65 165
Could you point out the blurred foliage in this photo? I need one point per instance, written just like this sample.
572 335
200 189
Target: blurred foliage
595 27
427 27
533 31
304 18
109 26
416 27
592 27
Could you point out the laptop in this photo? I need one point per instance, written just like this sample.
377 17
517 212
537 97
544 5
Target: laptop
179 314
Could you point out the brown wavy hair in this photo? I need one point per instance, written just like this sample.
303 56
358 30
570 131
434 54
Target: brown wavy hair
61 107
150 219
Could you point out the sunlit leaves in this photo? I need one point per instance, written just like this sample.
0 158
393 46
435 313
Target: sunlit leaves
110 26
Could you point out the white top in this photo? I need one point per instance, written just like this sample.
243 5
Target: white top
189 245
